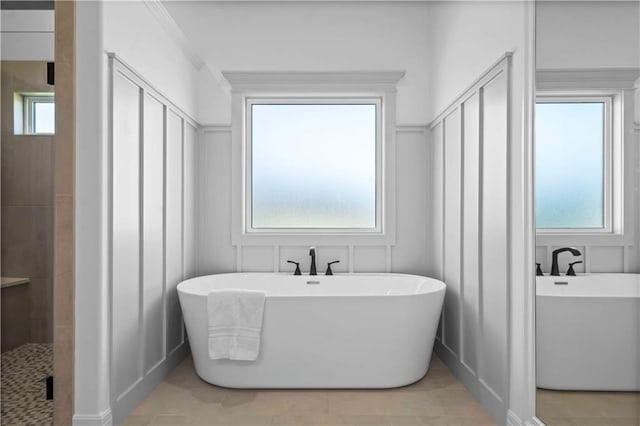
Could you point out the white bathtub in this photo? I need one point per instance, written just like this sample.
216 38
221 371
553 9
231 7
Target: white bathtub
347 331
588 332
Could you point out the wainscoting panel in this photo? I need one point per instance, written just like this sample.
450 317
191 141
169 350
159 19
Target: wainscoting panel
152 210
493 367
437 207
173 227
189 188
215 252
257 258
470 153
452 230
126 233
470 233
153 231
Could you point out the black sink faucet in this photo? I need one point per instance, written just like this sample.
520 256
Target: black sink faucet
312 253
554 258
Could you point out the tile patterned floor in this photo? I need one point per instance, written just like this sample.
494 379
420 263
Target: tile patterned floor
23 393
567 408
184 399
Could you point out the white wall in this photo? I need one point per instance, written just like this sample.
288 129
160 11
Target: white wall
302 36
132 30
587 34
26 35
583 36
133 245
484 228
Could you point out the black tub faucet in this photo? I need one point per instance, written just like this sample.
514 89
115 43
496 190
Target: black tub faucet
554 258
312 253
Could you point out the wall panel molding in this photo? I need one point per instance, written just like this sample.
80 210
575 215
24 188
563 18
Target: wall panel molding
471 163
152 216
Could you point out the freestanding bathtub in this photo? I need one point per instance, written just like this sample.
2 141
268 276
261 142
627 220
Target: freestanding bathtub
588 332
341 331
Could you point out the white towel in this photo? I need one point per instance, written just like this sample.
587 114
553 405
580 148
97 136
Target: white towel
235 323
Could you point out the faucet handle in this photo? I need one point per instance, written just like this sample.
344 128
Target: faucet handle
297 272
570 271
329 271
539 272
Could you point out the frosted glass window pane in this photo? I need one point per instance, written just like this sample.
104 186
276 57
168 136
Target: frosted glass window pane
44 118
569 165
313 166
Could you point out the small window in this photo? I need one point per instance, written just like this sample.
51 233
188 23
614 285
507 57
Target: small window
34 113
314 165
573 152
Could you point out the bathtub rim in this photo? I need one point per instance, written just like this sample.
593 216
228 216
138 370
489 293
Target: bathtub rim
442 286
545 289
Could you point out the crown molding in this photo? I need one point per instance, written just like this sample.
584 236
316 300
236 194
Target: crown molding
313 80
583 78
171 27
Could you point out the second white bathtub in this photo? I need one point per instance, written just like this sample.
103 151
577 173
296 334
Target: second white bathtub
341 331
588 332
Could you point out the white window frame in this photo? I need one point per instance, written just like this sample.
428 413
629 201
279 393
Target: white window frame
248 190
306 87
28 102
613 145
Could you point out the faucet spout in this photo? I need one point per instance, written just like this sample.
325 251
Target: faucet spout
554 258
312 269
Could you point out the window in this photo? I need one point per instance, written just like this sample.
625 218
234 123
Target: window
314 164
34 113
313 157
573 177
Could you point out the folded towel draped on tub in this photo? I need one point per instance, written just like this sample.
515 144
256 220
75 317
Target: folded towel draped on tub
235 323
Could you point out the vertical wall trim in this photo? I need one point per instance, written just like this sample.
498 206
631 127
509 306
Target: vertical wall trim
351 258
141 321
461 340
183 125
444 222
165 326
109 244
509 233
481 348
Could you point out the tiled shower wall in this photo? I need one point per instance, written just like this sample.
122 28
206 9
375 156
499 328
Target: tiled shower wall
27 199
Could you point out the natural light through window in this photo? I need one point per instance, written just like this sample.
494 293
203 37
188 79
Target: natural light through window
44 117
34 114
314 165
570 177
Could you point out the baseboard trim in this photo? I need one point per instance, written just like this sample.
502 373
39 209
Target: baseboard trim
513 419
535 422
137 394
103 419
494 406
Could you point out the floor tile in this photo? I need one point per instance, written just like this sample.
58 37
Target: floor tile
23 394
439 398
